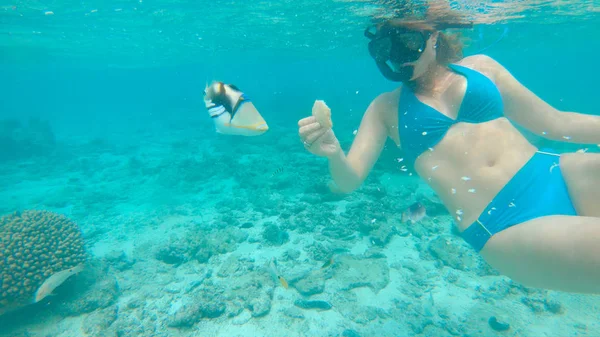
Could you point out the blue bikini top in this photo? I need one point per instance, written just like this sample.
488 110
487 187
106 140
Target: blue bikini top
422 127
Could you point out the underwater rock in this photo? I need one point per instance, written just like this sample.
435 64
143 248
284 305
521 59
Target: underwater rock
247 225
338 232
186 316
318 251
172 255
252 290
203 244
260 306
539 303
291 254
452 253
313 304
293 312
553 306
352 272
141 323
363 314
235 308
274 236
206 303
213 308
383 235
95 289
310 285
535 305
498 290
100 320
350 333
374 253
119 260
235 266
243 318
419 324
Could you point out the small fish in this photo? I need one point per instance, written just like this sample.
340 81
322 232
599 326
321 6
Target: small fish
232 112
277 171
327 263
275 272
414 213
54 281
283 281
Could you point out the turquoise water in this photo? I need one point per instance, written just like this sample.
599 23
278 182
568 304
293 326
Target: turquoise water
102 120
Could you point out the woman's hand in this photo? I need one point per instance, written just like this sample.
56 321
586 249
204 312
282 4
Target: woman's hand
317 139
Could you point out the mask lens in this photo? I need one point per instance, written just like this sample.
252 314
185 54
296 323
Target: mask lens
412 41
397 46
381 49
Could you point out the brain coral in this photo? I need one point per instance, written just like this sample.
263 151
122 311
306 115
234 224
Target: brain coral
33 246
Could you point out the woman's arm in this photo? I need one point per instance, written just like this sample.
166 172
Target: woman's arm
349 171
526 109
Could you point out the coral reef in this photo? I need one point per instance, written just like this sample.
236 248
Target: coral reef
274 236
34 245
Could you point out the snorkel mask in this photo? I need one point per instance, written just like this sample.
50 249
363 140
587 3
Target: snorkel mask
392 46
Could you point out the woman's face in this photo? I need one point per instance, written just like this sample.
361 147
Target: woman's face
427 58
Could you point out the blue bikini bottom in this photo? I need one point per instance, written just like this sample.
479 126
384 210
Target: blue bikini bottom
538 189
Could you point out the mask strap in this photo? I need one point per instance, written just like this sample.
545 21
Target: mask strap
504 33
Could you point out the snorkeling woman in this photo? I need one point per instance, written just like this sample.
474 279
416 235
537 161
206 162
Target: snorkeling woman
533 214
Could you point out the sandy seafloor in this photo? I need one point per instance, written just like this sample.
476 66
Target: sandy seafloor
180 226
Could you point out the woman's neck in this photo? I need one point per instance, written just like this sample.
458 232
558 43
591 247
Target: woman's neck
433 81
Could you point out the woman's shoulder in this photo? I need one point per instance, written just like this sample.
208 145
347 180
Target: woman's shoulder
476 60
387 102
481 63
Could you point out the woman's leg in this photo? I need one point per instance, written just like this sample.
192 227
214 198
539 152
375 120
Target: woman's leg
553 252
582 176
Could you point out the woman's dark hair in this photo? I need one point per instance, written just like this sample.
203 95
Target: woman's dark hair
449 48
